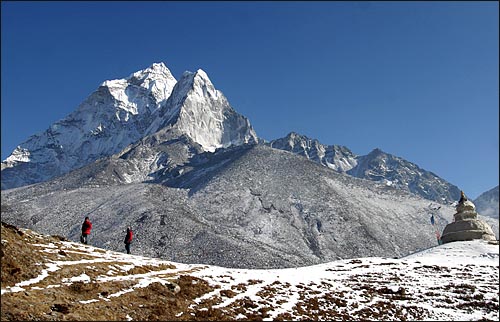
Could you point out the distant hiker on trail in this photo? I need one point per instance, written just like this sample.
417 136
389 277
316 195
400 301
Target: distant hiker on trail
86 227
128 239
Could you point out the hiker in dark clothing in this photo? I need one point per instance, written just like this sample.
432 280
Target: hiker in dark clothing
86 227
128 239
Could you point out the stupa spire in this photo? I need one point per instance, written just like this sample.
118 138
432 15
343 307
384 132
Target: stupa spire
463 197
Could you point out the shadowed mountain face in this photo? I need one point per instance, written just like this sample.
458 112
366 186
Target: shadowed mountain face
248 206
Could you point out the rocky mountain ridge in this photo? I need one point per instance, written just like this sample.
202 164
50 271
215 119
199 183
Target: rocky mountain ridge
376 166
338 158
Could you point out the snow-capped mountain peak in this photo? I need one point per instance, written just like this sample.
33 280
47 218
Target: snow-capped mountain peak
157 80
198 83
155 69
122 111
203 86
112 117
203 113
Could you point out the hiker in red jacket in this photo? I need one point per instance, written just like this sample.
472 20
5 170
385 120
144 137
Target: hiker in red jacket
86 227
128 239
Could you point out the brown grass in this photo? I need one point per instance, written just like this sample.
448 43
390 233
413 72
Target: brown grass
19 258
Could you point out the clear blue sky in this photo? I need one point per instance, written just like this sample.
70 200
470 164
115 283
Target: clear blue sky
416 79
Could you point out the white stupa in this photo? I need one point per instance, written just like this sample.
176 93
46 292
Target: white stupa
466 225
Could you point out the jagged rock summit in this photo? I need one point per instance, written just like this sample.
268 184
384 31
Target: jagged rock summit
336 157
121 112
466 225
378 166
203 113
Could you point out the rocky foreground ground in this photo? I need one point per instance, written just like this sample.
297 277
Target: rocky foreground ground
50 278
